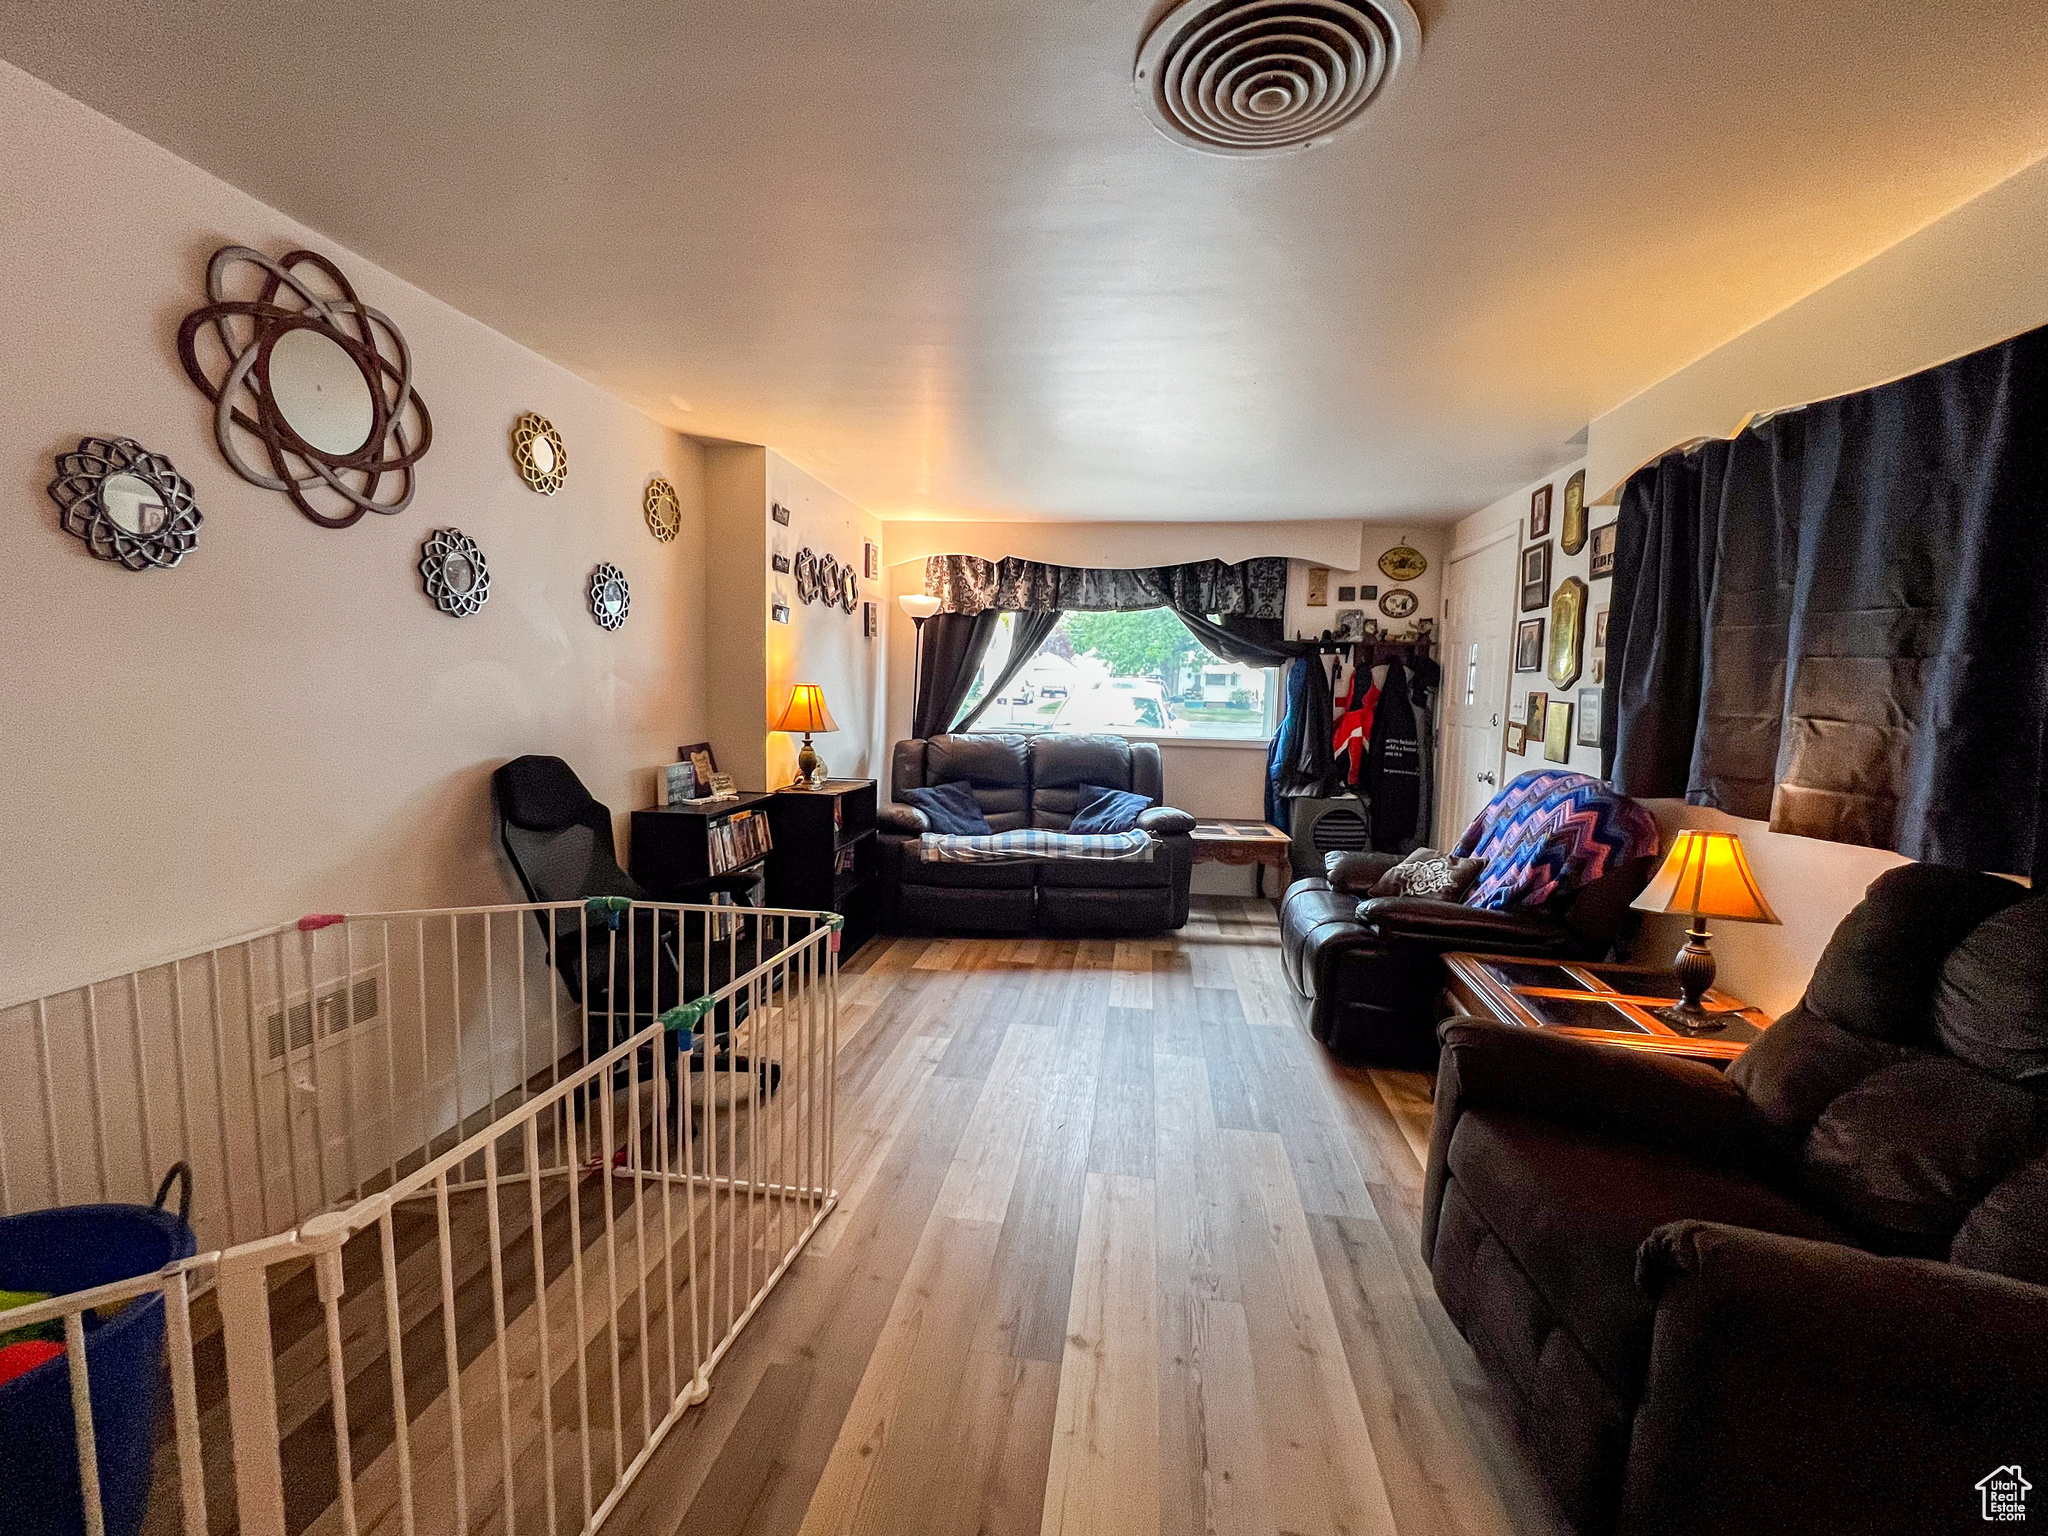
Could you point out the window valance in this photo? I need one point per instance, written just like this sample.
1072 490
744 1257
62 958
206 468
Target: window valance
967 584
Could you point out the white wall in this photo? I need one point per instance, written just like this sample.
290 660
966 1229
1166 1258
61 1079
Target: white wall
823 643
285 724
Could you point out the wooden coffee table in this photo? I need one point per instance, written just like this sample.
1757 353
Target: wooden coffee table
1245 842
1597 1000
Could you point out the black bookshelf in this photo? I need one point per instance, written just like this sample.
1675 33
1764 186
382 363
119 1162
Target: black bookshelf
684 852
826 856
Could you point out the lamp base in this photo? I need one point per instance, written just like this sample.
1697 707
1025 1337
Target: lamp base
810 768
1693 966
1687 1022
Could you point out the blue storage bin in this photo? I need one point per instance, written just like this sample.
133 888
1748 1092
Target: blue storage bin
74 1248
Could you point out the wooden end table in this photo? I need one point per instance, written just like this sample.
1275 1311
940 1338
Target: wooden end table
1256 843
1596 1000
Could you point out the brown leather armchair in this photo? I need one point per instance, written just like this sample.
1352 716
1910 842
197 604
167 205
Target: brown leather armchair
1372 967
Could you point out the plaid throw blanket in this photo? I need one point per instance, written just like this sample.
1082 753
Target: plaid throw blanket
1550 832
1031 843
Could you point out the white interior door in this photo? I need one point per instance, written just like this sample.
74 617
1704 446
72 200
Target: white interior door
1479 625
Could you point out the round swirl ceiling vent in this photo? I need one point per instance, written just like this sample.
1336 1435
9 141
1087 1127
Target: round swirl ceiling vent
1260 77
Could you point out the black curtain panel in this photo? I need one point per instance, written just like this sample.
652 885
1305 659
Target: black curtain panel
954 646
1838 621
1028 632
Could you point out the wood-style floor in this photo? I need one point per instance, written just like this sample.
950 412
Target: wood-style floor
1120 1251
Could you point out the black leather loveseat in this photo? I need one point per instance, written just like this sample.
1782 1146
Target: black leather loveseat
1032 781
1809 1295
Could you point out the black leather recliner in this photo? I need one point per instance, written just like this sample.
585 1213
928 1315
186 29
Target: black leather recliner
1033 781
1809 1294
1372 967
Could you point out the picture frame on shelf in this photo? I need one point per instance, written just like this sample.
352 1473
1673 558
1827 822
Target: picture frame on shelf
698 756
1589 717
1529 645
1539 512
1557 732
1535 578
1605 540
678 783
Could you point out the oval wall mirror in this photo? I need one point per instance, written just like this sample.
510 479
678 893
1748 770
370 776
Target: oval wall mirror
128 504
538 451
311 388
664 509
319 391
610 597
454 571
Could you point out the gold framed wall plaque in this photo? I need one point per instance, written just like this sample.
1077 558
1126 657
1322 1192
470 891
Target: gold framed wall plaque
1567 631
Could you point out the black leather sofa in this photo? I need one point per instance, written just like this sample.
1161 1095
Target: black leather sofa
1372 967
1811 1294
1032 781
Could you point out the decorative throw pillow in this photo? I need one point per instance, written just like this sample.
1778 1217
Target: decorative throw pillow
1425 872
1106 810
951 808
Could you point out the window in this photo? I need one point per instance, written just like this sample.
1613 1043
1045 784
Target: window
1138 674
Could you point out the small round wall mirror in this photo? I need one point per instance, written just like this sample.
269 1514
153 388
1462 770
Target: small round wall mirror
610 598
128 504
664 509
319 391
537 450
454 571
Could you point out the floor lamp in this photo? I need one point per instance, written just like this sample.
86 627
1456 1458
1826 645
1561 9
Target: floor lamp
920 606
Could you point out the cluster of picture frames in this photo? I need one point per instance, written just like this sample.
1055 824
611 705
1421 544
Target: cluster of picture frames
824 579
1401 563
313 396
1546 720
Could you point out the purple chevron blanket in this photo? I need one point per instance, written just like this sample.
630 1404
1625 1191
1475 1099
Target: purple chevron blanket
1550 832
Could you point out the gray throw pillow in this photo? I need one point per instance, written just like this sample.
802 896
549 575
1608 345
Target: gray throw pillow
1425 872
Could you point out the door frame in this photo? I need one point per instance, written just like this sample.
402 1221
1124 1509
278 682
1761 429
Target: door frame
1508 533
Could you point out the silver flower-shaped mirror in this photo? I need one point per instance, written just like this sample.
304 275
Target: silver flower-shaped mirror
128 504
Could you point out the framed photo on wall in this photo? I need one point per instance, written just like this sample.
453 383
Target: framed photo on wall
1536 577
1600 628
1557 733
870 559
1532 717
1529 646
1604 539
1318 583
1539 513
1589 717
1518 737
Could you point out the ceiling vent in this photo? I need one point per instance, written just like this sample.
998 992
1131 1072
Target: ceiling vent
1261 77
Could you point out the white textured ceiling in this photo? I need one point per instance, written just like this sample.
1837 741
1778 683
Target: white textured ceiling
933 252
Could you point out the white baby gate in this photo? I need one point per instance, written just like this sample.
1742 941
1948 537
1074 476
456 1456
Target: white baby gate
420 1305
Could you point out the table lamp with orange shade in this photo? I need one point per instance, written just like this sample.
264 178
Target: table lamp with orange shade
1704 875
806 712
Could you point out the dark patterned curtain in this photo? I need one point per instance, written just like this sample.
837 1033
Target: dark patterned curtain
966 584
1836 621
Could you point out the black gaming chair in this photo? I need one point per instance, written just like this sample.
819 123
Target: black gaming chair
626 967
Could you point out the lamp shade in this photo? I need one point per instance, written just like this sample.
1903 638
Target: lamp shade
805 711
919 605
1705 875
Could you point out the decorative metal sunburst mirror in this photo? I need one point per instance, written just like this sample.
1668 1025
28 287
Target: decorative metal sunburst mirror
457 579
128 504
664 509
313 378
538 451
609 596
